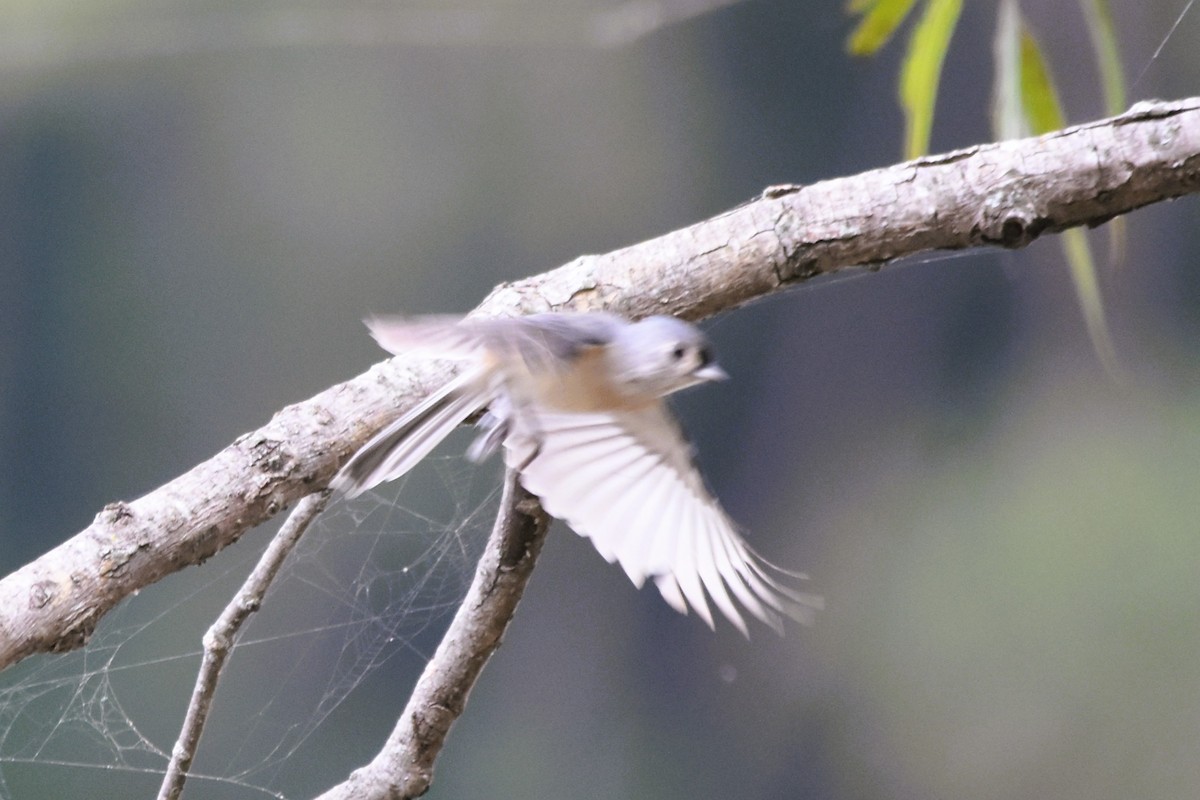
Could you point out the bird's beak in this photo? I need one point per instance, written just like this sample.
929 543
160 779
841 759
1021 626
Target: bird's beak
711 372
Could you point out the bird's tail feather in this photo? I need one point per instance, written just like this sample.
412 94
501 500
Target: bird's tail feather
397 448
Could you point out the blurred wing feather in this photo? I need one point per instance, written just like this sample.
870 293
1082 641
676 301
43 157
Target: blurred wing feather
627 482
401 445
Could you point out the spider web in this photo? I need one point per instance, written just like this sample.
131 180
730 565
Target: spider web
348 625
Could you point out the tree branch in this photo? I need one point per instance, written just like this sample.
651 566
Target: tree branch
1004 194
403 768
221 636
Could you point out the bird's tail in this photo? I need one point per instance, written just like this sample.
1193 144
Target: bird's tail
397 448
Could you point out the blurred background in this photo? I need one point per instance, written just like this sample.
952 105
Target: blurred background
199 201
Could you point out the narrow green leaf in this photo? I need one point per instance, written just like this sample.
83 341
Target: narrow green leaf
1108 55
1008 114
1044 112
1038 95
877 25
1091 302
1112 77
922 69
1116 241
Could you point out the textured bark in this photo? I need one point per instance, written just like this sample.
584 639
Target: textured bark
403 768
1004 194
222 635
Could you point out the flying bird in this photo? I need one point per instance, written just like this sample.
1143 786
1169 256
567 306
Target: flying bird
577 402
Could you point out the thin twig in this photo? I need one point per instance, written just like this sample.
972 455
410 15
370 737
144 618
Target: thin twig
403 768
220 638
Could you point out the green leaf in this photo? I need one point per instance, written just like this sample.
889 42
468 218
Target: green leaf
1112 77
1025 97
1044 112
922 69
1091 301
1038 95
1039 109
1108 55
881 19
1008 113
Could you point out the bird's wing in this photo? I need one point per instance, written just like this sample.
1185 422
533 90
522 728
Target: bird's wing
545 342
397 448
626 481
439 335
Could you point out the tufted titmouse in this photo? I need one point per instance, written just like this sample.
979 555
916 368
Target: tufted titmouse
576 400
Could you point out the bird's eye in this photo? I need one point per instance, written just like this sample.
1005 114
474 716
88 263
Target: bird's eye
678 353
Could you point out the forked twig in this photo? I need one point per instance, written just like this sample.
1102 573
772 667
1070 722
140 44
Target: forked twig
220 638
403 768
